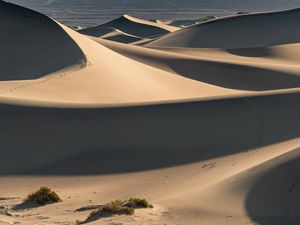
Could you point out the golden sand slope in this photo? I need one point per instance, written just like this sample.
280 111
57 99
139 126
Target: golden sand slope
209 136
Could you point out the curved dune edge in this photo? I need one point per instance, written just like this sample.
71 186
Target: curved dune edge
240 31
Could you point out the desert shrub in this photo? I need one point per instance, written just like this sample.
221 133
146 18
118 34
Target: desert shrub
138 203
43 196
110 209
117 207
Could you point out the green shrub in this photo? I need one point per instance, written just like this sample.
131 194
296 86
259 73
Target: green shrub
43 196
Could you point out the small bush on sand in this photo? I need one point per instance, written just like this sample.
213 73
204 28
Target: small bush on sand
43 196
110 209
118 207
138 203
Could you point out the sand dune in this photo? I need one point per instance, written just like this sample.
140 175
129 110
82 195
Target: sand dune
119 36
102 83
133 26
113 35
33 45
268 69
241 31
204 127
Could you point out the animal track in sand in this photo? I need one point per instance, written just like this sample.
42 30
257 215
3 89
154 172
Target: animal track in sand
209 165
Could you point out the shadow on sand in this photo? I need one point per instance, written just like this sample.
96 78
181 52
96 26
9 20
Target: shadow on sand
117 140
274 199
252 52
25 206
235 76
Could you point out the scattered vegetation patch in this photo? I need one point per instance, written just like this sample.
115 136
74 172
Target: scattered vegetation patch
117 207
43 196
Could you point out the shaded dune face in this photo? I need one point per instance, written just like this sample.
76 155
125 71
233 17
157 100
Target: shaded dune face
32 45
244 31
116 140
97 31
126 25
274 197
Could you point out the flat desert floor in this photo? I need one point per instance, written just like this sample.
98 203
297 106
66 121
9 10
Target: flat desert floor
201 121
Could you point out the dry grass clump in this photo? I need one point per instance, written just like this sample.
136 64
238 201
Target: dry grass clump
118 207
43 196
138 203
112 208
